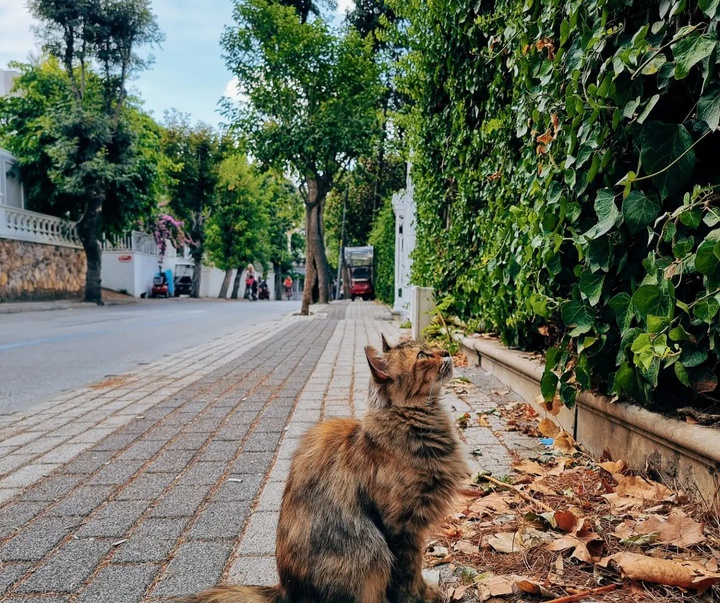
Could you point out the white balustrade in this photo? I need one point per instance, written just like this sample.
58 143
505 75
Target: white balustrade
24 225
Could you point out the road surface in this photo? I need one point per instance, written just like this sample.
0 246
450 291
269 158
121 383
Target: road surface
45 353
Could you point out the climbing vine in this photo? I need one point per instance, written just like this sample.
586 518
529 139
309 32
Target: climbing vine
565 165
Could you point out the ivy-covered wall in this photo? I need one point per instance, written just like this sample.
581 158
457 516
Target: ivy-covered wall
566 161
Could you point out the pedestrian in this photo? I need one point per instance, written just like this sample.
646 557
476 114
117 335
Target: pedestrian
250 283
288 284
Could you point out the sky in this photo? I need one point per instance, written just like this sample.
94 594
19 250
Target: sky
188 74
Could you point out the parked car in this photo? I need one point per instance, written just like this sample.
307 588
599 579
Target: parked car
183 285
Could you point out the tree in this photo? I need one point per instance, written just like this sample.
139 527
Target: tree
91 143
236 232
195 154
305 8
312 97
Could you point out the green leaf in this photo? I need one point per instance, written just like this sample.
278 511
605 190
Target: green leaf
666 151
639 211
706 262
680 334
691 50
709 7
654 65
620 303
607 213
648 107
548 385
692 355
591 285
682 374
651 299
706 309
575 313
709 105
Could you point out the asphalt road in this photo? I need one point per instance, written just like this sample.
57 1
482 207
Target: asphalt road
45 353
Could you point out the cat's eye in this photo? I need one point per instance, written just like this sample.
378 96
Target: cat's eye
422 355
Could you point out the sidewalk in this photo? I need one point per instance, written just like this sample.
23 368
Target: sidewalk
110 298
165 481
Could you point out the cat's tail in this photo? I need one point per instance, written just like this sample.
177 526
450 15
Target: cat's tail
238 594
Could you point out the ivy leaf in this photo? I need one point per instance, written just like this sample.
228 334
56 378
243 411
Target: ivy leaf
591 286
706 310
702 380
709 105
651 299
691 50
548 385
666 150
620 303
639 211
607 213
709 7
706 262
576 314
692 356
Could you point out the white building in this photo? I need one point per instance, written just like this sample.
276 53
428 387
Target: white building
7 77
404 208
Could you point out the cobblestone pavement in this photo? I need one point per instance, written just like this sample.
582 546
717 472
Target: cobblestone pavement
165 481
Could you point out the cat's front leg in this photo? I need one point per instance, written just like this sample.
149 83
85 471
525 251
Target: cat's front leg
407 584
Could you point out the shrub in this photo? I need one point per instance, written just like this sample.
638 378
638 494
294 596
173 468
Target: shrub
565 172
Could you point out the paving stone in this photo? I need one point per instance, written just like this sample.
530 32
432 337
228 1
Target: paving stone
253 462
11 573
119 584
88 462
262 441
171 461
115 473
180 501
153 541
271 497
82 501
117 441
15 515
232 490
142 449
259 538
147 486
113 520
27 475
196 566
202 473
220 520
36 540
52 488
187 441
254 570
219 451
68 568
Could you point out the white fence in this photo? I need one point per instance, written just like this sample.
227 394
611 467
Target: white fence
24 225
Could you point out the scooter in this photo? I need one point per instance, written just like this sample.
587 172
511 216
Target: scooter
263 290
250 289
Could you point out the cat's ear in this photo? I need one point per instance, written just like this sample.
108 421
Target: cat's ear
386 347
378 366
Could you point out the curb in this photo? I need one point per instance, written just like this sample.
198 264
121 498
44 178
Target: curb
678 452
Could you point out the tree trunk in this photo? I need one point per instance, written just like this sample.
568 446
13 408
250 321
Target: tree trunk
88 228
225 284
278 280
309 266
196 254
321 261
236 284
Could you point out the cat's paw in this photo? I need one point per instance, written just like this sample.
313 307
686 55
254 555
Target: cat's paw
432 594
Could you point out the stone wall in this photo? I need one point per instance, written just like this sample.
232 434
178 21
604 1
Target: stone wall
34 271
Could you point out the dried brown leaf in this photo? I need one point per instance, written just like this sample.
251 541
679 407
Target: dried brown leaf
685 574
548 428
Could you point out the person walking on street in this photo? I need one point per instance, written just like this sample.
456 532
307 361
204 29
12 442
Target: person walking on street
288 284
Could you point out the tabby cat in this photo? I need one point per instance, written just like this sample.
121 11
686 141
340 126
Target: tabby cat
362 495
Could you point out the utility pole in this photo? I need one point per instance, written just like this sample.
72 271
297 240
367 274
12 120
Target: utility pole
342 242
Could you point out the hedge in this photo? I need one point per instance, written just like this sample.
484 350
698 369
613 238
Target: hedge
565 158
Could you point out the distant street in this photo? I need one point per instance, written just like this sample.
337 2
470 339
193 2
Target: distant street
45 353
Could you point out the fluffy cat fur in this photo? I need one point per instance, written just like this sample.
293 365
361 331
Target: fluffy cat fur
361 496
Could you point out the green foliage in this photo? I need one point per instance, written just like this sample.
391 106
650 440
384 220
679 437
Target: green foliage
382 238
565 168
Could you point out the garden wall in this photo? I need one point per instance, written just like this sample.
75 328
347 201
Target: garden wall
36 271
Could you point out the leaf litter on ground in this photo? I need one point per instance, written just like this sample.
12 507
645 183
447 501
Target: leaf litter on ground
567 527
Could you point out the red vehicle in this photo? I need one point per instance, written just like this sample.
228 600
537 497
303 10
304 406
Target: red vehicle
360 270
159 286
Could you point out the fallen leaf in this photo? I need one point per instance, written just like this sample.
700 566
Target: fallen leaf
466 547
581 539
534 588
548 428
686 574
492 504
515 542
566 520
494 586
634 486
614 466
531 467
565 443
677 530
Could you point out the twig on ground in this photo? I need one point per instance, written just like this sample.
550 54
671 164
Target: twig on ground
520 493
585 593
